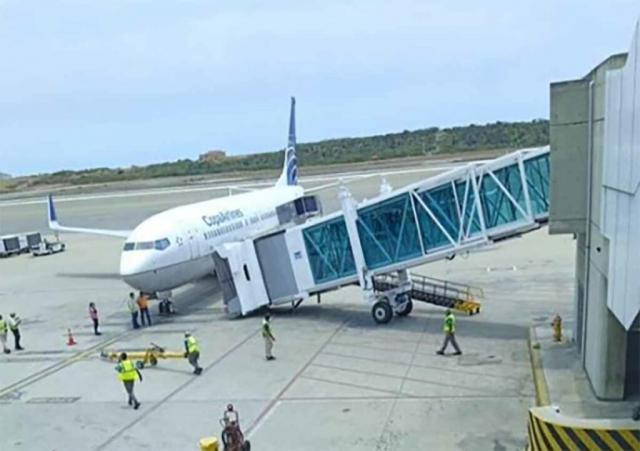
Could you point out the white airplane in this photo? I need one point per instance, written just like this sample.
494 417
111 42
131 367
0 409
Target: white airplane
176 246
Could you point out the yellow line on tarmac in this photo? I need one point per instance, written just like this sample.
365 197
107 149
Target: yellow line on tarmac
35 377
539 381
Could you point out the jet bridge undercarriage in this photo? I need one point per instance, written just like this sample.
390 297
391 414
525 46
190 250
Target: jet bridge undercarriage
374 243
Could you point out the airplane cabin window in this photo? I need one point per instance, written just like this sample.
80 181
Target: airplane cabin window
162 244
129 246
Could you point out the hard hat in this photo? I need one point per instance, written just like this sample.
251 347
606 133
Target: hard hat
186 334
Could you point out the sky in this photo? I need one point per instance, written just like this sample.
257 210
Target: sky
128 82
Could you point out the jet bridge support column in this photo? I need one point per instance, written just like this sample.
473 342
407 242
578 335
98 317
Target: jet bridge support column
350 213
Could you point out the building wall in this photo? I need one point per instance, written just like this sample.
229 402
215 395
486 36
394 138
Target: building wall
577 137
568 160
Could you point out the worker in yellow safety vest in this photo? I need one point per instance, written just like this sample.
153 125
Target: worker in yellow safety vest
128 374
449 334
4 329
192 350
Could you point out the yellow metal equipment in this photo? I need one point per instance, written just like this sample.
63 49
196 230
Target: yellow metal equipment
209 444
469 306
150 356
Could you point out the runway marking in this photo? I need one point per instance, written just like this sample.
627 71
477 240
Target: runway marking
396 394
403 378
393 397
513 268
178 190
177 390
274 402
417 365
39 375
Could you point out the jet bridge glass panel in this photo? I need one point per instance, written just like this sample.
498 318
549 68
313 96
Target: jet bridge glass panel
537 172
329 250
467 203
497 207
388 232
438 216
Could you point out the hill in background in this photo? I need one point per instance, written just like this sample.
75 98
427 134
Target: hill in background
429 141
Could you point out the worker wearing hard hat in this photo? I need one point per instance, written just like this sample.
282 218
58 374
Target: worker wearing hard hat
128 374
192 351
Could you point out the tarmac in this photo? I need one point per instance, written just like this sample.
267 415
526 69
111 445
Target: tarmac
566 385
339 382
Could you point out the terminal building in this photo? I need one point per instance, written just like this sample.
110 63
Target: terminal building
594 195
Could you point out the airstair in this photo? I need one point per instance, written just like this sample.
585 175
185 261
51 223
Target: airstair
375 242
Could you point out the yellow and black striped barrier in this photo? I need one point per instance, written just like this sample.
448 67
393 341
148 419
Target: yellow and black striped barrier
549 430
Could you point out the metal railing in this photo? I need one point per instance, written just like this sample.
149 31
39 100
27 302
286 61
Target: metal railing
430 286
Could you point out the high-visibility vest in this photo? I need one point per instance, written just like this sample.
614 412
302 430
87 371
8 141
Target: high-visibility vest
266 329
14 323
127 371
192 345
3 326
143 302
450 323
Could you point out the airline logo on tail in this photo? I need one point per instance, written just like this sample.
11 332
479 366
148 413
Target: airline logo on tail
290 170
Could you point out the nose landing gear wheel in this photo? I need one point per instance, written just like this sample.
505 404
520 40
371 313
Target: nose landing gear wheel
382 312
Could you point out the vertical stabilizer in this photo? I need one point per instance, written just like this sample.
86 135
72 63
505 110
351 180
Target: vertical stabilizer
289 174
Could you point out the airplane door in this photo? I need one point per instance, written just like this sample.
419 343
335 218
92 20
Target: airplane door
192 242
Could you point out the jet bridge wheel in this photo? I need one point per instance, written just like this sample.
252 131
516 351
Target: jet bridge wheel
405 305
382 312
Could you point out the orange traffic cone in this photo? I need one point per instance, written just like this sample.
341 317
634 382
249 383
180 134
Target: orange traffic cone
70 340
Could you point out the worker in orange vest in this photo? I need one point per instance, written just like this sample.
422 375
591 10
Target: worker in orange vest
143 305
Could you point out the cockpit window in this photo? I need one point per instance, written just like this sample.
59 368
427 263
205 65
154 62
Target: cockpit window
162 244
159 245
144 245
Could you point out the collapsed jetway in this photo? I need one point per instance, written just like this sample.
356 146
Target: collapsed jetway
456 211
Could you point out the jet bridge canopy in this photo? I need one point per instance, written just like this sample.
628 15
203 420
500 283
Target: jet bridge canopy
436 218
440 216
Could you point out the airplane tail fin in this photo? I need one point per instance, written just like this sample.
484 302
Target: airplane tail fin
289 174
52 216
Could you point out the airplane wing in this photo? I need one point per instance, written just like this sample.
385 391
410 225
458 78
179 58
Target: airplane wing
55 226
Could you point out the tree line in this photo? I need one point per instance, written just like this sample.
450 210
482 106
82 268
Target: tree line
429 141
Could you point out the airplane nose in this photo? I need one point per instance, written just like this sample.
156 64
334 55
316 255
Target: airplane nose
132 263
136 269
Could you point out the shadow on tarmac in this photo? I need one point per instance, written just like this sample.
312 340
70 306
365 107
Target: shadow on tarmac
360 318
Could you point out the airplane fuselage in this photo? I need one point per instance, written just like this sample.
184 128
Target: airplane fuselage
176 246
